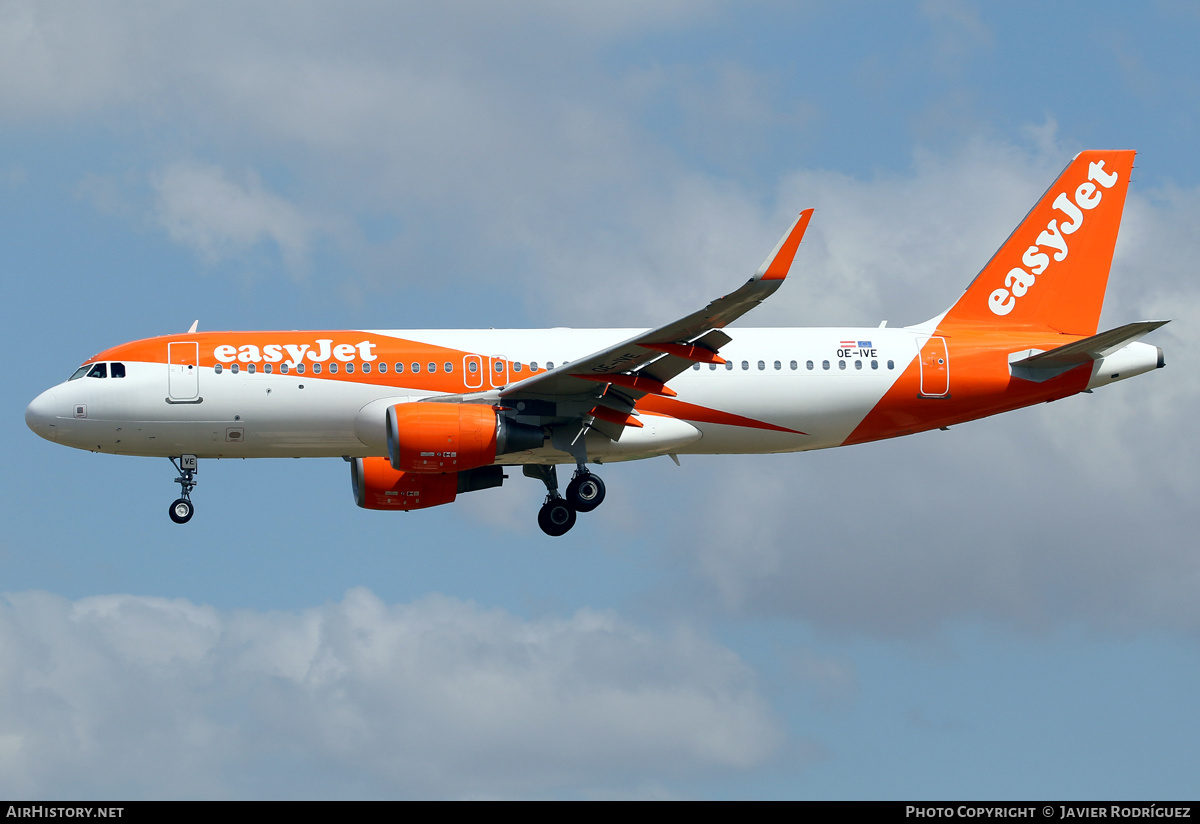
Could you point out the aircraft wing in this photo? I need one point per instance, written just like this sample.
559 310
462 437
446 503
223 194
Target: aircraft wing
614 378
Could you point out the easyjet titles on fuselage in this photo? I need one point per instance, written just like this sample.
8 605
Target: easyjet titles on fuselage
296 352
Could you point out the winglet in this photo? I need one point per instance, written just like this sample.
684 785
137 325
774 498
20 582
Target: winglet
192 330
779 262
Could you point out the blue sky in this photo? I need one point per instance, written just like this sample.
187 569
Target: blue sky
1005 610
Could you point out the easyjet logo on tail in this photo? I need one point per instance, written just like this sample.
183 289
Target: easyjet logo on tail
1052 241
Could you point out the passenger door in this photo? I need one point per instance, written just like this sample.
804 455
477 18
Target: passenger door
183 371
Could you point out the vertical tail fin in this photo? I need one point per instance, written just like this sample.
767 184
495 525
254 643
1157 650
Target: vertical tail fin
1052 271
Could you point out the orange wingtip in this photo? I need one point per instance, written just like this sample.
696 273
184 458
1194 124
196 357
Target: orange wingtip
779 262
641 384
690 352
613 416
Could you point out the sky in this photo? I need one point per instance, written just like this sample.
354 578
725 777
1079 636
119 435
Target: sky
1006 610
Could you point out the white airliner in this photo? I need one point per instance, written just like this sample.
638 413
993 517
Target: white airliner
425 415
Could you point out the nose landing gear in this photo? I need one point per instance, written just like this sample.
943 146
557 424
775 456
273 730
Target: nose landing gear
585 492
182 509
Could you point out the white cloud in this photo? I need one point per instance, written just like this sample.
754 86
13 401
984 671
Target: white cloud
63 61
201 207
511 130
126 695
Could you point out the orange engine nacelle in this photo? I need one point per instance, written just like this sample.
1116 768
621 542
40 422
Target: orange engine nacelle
377 485
452 437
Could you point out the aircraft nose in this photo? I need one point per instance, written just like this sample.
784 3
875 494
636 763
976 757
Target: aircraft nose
40 415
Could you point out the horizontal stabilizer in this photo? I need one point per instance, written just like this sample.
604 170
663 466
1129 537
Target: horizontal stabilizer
1039 366
1090 349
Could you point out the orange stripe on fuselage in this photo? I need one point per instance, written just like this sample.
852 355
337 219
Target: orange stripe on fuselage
254 347
672 408
979 385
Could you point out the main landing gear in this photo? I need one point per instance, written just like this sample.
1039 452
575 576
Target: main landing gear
585 492
181 510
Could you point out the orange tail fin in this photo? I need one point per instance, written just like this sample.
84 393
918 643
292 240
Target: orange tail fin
1052 271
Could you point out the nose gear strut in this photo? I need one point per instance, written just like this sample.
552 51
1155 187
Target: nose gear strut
182 509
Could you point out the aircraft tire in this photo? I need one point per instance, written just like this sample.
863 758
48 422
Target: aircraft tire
585 492
556 517
181 511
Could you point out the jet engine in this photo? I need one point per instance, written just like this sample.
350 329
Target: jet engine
377 485
452 437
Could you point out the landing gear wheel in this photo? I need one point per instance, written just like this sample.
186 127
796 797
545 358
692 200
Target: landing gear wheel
585 492
556 517
181 511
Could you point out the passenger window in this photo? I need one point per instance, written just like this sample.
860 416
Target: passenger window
382 367
79 373
858 364
218 368
350 368
499 367
267 368
333 368
745 365
874 364
118 370
891 364
549 364
808 365
250 369
517 366
695 367
316 368
841 364
779 366
99 370
728 366
533 366
824 364
399 368
472 367
795 366
712 367
761 366
448 366
416 367
299 369
284 368
432 367
234 368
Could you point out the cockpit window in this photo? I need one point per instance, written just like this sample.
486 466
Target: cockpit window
99 370
118 370
80 372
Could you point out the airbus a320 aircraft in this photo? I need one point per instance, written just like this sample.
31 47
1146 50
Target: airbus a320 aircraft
423 416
